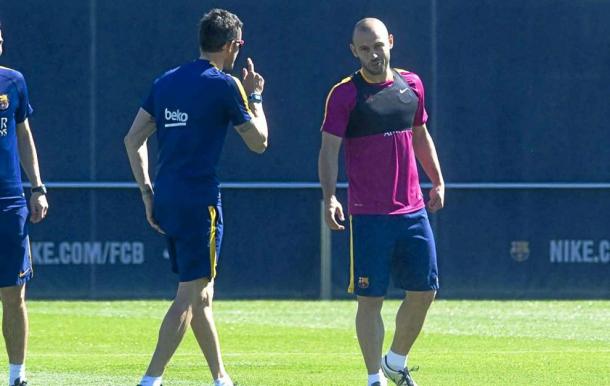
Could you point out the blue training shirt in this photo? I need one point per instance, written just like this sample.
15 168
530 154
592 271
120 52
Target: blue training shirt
193 106
14 109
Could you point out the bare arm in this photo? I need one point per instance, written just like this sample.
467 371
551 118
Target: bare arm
254 132
425 151
29 162
27 153
328 169
143 126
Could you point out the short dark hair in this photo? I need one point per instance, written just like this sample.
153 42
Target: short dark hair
216 28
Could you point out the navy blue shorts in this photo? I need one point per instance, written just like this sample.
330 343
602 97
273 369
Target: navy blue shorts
400 246
194 252
15 258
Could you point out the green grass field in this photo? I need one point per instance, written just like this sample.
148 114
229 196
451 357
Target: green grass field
279 343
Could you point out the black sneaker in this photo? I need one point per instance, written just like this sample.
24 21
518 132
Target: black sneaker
399 377
19 382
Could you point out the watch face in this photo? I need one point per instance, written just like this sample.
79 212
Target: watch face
255 98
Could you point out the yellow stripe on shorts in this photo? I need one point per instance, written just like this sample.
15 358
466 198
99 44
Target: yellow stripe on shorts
350 289
212 211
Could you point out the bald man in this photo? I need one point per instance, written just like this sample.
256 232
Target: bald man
379 111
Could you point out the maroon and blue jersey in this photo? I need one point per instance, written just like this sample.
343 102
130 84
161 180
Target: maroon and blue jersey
376 121
193 106
14 109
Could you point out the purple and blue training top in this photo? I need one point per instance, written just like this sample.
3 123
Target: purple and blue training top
376 120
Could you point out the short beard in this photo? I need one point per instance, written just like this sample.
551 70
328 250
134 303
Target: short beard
375 71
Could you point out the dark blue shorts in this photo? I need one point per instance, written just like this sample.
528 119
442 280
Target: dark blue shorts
400 246
194 252
15 258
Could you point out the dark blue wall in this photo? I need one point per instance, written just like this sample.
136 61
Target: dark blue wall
517 92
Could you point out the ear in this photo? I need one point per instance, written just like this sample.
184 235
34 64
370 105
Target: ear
227 48
391 40
353 48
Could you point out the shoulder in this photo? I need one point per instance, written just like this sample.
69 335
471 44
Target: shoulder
11 75
343 91
411 78
166 75
231 80
345 85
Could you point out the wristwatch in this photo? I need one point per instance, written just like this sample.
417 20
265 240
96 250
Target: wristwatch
255 98
39 189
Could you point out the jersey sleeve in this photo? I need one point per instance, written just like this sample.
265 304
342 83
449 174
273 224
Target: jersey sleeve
339 103
421 115
237 102
24 110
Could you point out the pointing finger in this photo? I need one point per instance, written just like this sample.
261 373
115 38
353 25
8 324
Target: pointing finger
250 65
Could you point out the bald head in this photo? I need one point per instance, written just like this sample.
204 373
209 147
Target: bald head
371 44
370 25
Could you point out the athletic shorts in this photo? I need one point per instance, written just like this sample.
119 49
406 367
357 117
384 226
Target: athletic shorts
400 246
194 252
15 258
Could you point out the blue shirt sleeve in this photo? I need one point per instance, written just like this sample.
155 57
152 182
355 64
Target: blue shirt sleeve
24 110
237 102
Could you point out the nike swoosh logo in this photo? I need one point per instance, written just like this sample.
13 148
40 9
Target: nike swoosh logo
403 90
23 274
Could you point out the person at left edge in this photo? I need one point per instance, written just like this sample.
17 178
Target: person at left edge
16 145
190 108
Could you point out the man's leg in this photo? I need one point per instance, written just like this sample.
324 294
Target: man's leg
370 331
410 320
205 332
15 327
174 325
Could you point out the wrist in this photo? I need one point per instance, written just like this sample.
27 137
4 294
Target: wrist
147 190
255 97
330 198
39 189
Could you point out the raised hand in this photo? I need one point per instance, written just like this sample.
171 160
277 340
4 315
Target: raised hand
253 81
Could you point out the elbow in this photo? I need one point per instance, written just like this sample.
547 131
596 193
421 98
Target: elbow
129 142
259 148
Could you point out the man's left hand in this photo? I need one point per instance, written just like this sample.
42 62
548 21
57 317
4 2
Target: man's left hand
38 207
437 198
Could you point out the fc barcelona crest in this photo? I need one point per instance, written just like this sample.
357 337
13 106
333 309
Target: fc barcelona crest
4 102
363 282
520 250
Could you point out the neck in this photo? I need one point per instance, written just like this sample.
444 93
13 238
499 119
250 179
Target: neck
215 58
380 78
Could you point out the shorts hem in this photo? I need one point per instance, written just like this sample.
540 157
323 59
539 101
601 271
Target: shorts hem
421 289
17 283
193 278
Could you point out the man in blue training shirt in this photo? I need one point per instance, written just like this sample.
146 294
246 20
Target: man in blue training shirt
16 145
190 107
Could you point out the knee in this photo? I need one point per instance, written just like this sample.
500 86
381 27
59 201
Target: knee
423 298
204 298
370 304
13 299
